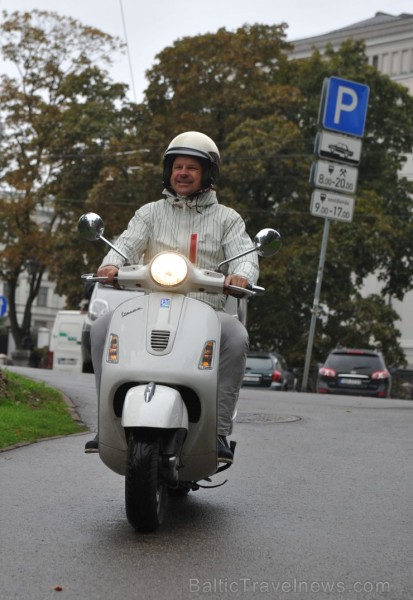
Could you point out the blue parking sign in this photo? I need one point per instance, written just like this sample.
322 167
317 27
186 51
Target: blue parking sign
344 106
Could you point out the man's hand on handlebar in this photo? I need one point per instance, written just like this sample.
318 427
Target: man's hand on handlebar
237 280
111 272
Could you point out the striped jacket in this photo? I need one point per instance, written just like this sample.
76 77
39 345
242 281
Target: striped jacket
202 229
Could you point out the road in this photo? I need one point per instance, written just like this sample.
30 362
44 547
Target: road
317 505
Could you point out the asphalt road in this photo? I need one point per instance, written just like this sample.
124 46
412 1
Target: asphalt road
317 505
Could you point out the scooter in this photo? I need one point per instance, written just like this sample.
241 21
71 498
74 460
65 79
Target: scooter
158 399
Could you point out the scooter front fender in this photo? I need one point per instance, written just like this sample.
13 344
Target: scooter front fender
161 407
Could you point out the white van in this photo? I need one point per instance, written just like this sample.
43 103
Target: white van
65 352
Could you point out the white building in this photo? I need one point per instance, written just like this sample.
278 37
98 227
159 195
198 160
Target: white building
389 47
388 39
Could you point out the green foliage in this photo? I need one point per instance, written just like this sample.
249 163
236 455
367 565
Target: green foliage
381 236
262 110
58 116
82 147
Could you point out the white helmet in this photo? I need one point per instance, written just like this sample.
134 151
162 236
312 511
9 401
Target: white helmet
193 143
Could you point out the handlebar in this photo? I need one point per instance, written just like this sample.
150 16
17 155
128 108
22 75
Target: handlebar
249 291
257 289
91 277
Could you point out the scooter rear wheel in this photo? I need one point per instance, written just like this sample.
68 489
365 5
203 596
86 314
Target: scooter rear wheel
145 493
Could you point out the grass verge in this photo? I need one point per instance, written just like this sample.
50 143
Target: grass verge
30 411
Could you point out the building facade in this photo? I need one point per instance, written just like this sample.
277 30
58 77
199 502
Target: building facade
389 48
388 39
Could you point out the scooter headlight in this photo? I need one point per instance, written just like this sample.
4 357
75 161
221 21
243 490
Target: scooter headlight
169 269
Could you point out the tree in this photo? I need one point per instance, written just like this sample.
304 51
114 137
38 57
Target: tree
58 114
262 110
379 241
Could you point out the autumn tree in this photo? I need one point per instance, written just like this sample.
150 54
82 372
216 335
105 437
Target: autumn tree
213 83
261 108
79 145
58 111
379 240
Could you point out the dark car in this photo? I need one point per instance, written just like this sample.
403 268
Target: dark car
355 372
267 369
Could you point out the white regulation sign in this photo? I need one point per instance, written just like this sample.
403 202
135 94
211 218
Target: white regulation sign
329 205
332 146
334 176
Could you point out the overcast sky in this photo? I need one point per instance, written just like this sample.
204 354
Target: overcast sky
153 25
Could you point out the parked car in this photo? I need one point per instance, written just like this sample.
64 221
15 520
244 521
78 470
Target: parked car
354 372
267 369
103 299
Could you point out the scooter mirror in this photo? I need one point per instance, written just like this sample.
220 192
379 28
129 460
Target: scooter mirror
267 242
91 227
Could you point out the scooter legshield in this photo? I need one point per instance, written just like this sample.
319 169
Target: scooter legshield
161 339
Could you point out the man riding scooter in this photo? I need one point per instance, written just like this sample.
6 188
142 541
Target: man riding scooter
190 220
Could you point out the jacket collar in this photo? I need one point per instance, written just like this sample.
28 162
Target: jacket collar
198 201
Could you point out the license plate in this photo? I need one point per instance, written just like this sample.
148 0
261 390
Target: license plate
346 381
252 378
66 361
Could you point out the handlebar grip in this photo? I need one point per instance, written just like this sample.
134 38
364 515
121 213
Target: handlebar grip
93 278
239 292
256 289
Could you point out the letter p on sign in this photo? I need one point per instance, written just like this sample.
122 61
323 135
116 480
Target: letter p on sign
344 106
346 100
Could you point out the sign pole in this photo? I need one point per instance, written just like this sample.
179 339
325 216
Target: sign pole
316 302
343 110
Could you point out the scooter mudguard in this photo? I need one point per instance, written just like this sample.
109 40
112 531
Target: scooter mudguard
156 406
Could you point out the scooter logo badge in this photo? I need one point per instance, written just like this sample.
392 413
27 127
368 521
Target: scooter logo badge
129 312
149 391
165 302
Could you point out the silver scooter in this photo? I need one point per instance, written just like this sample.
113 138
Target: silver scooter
158 393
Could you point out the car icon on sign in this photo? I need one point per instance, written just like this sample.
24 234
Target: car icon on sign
340 149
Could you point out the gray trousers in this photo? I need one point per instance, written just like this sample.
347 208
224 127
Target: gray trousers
234 345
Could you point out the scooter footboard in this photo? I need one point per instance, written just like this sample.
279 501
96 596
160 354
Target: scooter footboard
157 406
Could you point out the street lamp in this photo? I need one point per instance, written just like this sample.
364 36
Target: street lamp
32 265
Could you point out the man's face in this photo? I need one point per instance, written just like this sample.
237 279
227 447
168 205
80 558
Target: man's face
186 175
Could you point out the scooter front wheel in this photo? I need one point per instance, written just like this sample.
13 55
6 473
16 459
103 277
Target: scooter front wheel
145 493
